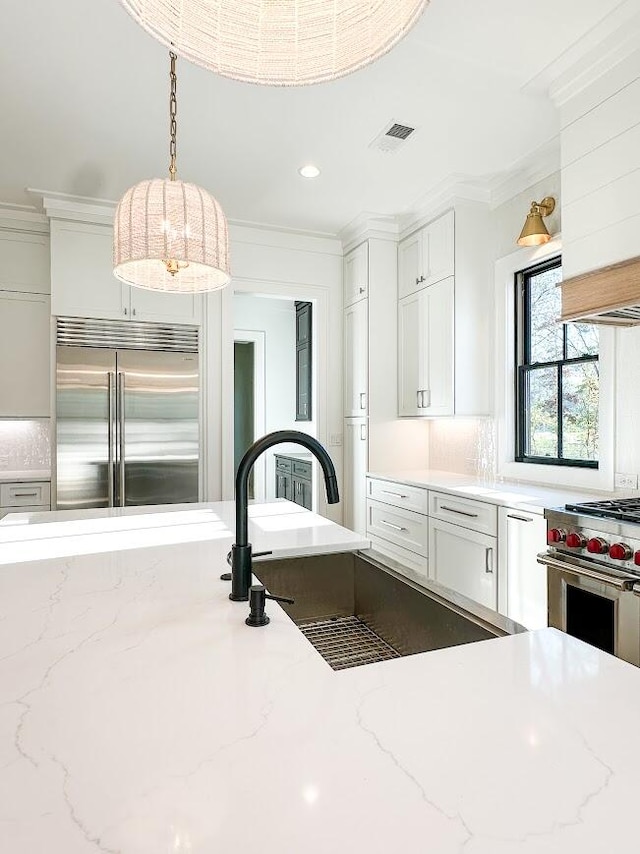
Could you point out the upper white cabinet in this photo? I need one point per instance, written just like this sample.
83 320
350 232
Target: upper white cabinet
25 262
24 355
356 340
426 351
356 274
427 256
83 284
444 336
523 581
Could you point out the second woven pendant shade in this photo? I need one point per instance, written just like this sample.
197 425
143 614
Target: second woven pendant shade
278 42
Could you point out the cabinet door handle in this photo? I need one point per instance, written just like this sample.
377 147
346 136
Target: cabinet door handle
422 394
421 279
133 312
361 290
25 494
396 494
459 512
487 559
519 518
391 525
126 311
418 399
417 281
363 400
363 432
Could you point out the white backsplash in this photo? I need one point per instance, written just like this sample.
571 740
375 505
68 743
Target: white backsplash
463 445
25 445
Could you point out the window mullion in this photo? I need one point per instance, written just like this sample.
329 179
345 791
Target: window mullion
560 411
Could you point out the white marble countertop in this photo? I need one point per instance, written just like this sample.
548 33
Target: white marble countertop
24 476
505 493
139 715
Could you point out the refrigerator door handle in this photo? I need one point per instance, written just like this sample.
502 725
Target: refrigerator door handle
111 437
121 437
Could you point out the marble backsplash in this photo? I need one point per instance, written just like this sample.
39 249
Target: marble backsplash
25 445
463 445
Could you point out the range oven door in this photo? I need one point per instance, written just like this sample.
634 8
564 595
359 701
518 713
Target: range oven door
594 605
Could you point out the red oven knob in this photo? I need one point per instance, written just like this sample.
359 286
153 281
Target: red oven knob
576 541
556 535
636 558
620 551
597 546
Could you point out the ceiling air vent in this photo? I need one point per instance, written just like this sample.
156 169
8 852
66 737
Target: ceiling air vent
392 137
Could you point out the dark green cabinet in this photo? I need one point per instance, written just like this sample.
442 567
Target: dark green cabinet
293 480
303 361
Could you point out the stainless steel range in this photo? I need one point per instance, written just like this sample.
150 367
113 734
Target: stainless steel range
593 574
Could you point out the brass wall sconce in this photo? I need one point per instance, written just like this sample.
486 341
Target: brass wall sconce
534 232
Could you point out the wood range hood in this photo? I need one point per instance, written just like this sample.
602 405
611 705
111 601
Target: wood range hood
610 295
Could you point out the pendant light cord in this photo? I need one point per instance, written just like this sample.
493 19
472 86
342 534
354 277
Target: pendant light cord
173 111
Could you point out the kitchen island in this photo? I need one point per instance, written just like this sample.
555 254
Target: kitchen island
138 713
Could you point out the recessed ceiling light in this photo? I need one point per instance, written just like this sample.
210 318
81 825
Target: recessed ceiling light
309 171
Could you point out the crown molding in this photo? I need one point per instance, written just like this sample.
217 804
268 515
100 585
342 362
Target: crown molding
529 170
368 225
600 49
23 218
75 208
452 190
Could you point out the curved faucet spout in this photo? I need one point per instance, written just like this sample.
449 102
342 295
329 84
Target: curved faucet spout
241 550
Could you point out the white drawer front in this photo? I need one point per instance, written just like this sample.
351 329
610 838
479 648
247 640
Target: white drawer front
409 564
24 494
399 526
399 495
36 508
476 515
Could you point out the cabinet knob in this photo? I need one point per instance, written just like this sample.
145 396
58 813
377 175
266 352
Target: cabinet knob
125 312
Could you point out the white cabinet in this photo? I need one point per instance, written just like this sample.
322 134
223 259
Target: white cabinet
25 355
25 497
356 274
354 495
83 284
464 560
523 581
356 365
426 351
427 256
25 262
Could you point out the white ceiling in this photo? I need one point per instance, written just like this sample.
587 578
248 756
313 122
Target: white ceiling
83 110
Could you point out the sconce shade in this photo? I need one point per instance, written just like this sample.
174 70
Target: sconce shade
278 42
170 236
534 231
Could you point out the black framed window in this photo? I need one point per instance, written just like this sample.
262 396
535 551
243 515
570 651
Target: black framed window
557 375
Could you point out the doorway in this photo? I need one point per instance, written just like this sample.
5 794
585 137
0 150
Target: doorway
249 402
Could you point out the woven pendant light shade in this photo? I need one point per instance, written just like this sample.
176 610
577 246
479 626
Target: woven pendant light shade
278 42
163 225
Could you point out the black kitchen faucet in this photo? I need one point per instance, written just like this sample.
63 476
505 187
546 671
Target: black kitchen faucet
241 568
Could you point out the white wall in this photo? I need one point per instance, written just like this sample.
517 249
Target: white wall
276 318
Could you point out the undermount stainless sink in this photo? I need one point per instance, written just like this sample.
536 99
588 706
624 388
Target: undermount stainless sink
356 611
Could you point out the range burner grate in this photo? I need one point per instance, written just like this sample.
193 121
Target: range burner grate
347 642
624 509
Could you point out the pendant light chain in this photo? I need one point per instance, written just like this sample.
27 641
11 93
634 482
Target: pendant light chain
173 111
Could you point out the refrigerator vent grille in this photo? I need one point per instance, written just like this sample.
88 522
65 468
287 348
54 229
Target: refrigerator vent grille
127 335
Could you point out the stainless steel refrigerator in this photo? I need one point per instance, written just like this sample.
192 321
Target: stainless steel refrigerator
127 414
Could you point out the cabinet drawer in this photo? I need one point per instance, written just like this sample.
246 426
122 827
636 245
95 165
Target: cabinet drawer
283 465
407 563
28 508
402 527
476 515
301 469
24 494
399 495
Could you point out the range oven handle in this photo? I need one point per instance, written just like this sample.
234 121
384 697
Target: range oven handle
582 569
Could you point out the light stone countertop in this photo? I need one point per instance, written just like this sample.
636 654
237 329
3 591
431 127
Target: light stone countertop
504 493
139 715
24 476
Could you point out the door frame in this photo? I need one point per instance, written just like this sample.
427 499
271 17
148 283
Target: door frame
258 339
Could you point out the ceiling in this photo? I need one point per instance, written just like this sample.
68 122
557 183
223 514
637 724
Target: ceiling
83 94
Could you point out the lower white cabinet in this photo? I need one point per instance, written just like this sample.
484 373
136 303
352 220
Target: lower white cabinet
465 561
523 581
25 497
403 527
355 471
25 355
